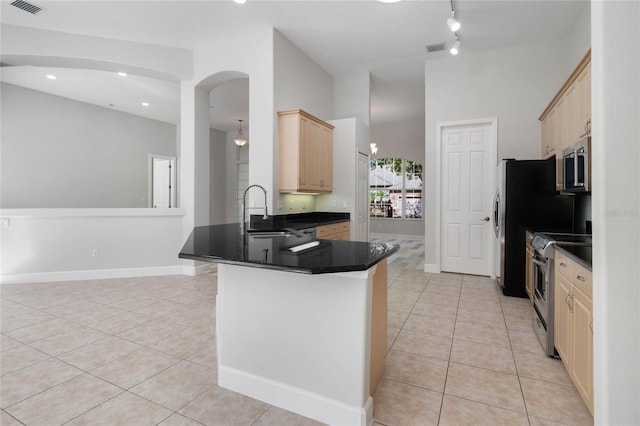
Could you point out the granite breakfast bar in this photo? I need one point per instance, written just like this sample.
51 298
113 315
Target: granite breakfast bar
302 330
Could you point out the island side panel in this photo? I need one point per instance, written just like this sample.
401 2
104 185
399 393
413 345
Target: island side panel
378 325
298 341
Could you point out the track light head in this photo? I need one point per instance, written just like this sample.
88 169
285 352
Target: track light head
453 23
455 49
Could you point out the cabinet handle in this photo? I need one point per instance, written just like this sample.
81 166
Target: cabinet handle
566 300
591 325
564 265
580 277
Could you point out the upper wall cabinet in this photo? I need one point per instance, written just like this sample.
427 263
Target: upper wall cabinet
567 117
306 153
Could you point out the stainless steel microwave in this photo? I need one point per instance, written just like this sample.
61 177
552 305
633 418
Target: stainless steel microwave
576 166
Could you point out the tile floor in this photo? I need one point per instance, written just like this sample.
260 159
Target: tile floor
141 351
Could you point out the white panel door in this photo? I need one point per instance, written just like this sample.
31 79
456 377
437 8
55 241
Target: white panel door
362 204
467 195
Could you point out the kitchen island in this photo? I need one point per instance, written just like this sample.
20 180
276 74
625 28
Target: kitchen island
302 330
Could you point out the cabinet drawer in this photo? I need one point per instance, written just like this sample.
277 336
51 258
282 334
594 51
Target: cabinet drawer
564 265
583 279
333 228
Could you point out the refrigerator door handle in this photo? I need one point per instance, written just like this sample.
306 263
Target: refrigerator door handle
496 214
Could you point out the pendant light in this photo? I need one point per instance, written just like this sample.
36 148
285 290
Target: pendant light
240 140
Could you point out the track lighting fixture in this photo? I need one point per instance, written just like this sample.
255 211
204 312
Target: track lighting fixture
452 22
455 49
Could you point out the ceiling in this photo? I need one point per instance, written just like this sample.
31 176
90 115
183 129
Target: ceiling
388 40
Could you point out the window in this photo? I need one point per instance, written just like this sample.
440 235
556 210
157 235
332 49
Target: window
395 188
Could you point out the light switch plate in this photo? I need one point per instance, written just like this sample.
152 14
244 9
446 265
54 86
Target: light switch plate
4 222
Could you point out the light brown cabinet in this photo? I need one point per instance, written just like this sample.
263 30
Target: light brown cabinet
567 116
573 323
306 153
334 231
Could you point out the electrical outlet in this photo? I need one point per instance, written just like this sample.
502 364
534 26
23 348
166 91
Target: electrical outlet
345 204
334 203
4 222
279 204
95 252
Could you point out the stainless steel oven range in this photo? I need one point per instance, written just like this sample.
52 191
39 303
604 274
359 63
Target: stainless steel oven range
543 281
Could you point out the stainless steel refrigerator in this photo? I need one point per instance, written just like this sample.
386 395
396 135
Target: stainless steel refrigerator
525 199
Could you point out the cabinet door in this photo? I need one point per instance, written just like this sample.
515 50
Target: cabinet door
529 272
306 156
582 346
584 90
326 159
562 319
546 137
572 117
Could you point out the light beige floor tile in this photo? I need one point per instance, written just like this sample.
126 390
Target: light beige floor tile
68 340
36 378
43 330
423 344
133 303
14 317
410 284
555 402
525 341
396 319
277 417
521 321
182 344
431 324
462 412
120 323
425 307
400 404
486 386
542 367
66 310
7 420
489 334
177 385
151 332
18 357
135 367
219 406
62 403
179 420
491 357
206 357
416 370
536 421
467 315
392 335
99 352
7 342
468 303
124 409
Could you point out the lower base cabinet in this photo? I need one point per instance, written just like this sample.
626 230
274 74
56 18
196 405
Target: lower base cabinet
573 324
334 231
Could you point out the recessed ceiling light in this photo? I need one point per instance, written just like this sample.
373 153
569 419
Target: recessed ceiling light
122 74
145 104
389 1
51 77
240 1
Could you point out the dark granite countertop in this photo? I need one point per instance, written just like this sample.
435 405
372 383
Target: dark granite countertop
296 221
225 244
581 254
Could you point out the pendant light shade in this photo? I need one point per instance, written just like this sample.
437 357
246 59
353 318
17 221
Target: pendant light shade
240 140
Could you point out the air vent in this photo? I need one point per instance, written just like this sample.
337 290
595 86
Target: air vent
27 7
436 47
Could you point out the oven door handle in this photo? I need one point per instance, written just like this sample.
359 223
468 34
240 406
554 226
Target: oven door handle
539 262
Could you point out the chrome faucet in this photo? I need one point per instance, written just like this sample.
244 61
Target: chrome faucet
243 224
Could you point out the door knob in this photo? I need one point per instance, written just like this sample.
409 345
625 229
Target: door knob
486 219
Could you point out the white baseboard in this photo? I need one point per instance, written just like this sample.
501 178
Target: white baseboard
294 399
96 274
431 268
379 236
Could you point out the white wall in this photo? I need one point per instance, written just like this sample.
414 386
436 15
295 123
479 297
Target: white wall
298 83
218 175
352 96
58 244
57 152
400 139
514 85
615 68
